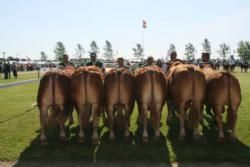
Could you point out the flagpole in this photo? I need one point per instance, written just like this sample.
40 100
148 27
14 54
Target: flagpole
142 39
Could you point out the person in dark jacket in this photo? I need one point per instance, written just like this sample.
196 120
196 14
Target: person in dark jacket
65 62
5 70
94 62
14 70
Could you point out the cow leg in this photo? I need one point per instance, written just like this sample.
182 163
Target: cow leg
80 110
144 112
171 110
128 112
158 109
110 110
43 123
231 122
218 110
181 111
196 106
95 111
61 120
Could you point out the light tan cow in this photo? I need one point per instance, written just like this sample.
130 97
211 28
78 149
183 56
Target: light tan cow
151 96
119 90
185 90
87 97
223 89
54 95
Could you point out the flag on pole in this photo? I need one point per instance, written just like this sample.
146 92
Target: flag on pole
144 24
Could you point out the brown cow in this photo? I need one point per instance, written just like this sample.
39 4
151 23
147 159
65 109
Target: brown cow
87 97
119 90
185 90
53 93
223 89
151 96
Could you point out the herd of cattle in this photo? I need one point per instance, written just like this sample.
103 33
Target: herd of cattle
185 88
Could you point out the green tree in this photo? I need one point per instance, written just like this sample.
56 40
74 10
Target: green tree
190 51
108 54
244 50
79 51
206 46
59 51
43 57
138 52
224 50
94 48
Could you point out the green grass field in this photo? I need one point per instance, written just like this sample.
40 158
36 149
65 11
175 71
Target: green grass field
19 136
21 77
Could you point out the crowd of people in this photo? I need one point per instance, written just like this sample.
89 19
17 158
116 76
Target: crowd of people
6 68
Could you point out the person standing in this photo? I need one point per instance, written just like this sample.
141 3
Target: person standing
94 62
14 70
205 58
5 70
173 56
121 63
150 61
9 70
65 62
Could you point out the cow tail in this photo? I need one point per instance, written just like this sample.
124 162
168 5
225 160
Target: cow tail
52 116
84 81
229 88
193 113
153 114
119 116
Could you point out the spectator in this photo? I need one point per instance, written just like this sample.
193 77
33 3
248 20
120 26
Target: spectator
5 70
8 70
14 70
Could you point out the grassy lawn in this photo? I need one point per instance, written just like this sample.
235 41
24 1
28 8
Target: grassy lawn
21 76
19 136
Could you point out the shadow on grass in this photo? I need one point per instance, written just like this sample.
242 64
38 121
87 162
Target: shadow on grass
207 149
133 150
122 150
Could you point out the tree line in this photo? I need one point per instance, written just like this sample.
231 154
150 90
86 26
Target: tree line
243 50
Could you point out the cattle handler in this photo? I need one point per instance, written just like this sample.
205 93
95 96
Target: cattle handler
205 59
121 64
65 62
94 62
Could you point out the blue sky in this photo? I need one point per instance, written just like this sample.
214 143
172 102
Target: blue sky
31 26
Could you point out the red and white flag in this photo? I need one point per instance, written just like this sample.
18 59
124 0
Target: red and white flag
144 24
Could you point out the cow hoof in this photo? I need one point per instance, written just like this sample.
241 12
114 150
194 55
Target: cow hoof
112 139
157 138
233 139
44 142
145 140
197 137
127 138
181 138
63 139
81 140
220 140
95 141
